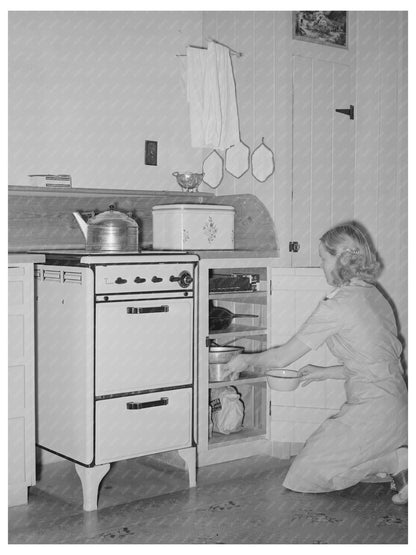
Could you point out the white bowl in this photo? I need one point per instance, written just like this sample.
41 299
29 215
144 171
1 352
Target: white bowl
282 379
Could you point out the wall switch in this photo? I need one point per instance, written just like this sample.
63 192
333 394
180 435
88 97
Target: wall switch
150 153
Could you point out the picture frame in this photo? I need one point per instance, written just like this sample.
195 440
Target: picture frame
328 28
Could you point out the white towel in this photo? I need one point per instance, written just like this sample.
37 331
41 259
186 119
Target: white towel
212 97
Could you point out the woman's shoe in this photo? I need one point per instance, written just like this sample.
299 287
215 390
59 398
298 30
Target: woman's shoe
401 485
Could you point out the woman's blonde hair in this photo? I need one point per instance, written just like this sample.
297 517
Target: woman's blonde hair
356 256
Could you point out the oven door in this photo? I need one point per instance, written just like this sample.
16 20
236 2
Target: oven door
143 345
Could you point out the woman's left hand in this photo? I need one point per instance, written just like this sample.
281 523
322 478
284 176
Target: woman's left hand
311 373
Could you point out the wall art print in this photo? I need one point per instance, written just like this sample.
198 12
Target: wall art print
327 28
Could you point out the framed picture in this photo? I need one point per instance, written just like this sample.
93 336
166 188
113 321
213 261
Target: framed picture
327 28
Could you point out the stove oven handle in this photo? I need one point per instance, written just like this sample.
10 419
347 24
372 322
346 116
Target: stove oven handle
147 309
137 406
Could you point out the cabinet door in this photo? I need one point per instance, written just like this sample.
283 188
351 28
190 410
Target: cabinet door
21 444
323 152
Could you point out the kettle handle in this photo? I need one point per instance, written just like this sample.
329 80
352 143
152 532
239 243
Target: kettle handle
88 214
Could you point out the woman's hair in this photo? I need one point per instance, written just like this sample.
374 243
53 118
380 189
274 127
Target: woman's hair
356 256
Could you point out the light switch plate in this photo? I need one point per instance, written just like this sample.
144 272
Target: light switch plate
150 153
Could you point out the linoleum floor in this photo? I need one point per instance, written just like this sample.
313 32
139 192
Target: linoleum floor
145 501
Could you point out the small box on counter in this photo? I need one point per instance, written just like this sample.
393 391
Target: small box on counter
49 180
193 227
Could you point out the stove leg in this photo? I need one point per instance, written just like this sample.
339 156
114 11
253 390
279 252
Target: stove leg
189 456
90 480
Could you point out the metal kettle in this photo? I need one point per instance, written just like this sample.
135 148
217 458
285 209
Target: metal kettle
109 231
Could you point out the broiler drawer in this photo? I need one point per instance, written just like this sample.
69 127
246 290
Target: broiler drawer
132 426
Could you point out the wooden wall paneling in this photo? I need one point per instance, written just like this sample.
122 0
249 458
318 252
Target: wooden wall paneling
343 147
368 118
209 26
402 177
226 34
245 90
86 104
321 152
302 163
388 209
264 97
283 133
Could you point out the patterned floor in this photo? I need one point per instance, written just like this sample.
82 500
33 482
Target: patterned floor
144 501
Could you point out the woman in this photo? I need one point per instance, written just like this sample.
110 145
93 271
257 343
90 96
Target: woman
369 434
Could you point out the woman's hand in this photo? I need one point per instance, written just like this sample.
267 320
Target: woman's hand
237 364
311 373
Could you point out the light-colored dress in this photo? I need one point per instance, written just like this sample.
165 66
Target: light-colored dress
358 325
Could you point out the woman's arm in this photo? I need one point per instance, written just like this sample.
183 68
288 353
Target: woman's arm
311 373
281 356
278 356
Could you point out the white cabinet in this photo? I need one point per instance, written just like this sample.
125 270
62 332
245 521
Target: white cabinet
296 414
21 413
276 423
253 334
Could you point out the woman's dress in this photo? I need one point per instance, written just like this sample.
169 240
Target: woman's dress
358 325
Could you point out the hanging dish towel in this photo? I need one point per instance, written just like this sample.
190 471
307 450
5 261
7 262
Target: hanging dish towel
212 97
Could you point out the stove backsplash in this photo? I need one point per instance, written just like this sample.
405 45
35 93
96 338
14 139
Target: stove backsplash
40 219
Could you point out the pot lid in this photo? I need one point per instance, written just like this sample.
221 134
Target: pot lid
112 218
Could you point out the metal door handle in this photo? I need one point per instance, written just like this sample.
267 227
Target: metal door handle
146 309
149 309
347 111
137 406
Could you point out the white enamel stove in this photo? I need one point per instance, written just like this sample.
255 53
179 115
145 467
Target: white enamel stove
115 359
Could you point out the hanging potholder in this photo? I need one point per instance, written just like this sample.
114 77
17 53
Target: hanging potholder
262 162
237 159
213 169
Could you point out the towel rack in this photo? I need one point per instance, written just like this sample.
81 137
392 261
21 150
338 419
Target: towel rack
232 52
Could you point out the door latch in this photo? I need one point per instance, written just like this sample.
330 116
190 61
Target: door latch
347 111
294 246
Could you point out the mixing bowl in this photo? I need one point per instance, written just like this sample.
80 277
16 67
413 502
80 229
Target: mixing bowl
189 180
282 379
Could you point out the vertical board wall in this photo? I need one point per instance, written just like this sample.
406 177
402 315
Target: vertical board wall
86 89
378 48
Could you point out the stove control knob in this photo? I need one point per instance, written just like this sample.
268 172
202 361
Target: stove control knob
156 279
120 280
184 279
138 279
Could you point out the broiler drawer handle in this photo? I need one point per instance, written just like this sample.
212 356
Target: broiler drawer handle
136 406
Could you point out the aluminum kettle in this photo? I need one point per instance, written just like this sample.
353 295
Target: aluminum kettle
109 231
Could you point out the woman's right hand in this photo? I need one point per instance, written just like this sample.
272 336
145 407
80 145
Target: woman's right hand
237 364
311 373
